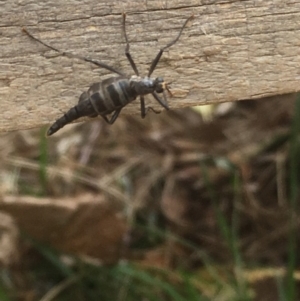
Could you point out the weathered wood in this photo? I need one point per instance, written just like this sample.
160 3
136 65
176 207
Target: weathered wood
232 50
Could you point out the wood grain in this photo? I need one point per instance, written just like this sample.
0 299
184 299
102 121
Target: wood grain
232 50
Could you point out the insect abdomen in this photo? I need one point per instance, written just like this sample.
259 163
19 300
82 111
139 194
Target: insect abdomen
101 99
111 94
83 108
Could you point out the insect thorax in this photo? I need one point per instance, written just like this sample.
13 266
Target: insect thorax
146 85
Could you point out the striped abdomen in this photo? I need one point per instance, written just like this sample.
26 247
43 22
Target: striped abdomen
101 99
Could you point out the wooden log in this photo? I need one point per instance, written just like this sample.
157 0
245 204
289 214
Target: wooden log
232 50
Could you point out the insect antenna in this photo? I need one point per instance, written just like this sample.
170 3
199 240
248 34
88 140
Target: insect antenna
158 56
71 55
127 53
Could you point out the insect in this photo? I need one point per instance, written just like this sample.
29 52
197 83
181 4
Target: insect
112 94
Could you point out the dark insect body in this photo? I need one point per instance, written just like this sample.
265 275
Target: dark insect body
111 95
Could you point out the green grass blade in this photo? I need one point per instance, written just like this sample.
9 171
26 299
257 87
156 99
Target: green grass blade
43 162
3 294
294 192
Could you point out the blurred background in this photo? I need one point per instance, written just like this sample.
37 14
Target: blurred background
192 204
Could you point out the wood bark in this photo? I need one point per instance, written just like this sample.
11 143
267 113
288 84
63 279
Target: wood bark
232 50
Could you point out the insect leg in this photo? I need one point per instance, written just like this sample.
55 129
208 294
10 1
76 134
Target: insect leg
127 53
151 109
162 102
113 117
71 55
144 110
158 56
